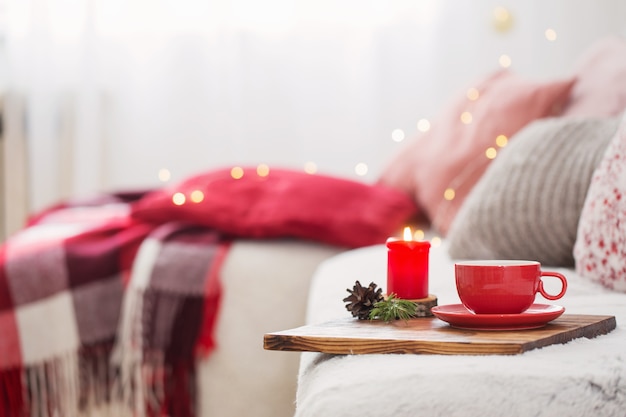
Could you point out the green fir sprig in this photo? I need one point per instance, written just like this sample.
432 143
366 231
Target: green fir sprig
393 308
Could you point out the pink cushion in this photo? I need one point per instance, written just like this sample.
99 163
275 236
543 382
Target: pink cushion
452 154
600 248
284 203
600 89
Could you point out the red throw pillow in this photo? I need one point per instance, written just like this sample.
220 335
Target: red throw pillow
283 203
441 166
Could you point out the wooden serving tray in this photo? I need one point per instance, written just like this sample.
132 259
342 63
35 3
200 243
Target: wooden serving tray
431 336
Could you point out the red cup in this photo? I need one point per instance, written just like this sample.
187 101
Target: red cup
502 286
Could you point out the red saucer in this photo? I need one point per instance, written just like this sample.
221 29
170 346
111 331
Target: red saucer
538 315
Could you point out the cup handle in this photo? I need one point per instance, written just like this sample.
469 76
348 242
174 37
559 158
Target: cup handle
556 275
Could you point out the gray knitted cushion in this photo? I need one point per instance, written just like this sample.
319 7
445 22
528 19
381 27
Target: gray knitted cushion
528 202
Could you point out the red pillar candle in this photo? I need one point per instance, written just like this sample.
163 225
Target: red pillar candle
407 267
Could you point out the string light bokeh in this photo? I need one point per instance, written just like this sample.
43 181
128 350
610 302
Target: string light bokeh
502 22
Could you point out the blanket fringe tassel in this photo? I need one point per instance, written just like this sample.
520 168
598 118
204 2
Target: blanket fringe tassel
86 384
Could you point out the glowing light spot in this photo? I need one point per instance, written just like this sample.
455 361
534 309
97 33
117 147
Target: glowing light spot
500 13
236 172
491 153
407 235
501 141
310 167
505 61
418 235
435 241
472 94
397 135
178 199
196 196
466 117
449 194
263 170
502 19
360 169
164 175
550 34
423 125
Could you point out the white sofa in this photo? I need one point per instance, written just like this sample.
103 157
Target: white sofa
265 288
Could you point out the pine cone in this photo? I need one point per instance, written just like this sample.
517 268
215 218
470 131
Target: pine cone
361 300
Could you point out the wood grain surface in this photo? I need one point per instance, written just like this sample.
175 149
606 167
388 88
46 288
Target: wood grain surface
431 336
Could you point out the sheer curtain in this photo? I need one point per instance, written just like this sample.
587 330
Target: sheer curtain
120 94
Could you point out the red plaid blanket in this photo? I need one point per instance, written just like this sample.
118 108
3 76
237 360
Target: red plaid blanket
96 308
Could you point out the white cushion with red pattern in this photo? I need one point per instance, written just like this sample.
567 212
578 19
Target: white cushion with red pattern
600 248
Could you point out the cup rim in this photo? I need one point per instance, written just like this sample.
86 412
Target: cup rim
497 262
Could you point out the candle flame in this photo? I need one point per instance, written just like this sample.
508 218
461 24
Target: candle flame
408 236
